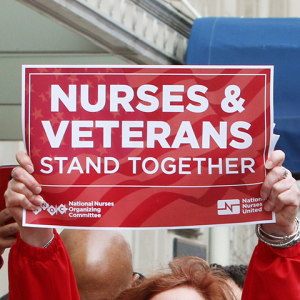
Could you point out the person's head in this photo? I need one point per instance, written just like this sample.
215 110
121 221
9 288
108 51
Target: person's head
189 278
236 276
237 273
102 262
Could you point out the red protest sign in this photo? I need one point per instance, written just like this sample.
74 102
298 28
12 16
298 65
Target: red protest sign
148 146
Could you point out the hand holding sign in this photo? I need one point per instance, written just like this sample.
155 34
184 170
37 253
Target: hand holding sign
23 193
282 194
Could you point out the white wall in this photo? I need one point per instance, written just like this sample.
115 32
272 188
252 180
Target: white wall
243 8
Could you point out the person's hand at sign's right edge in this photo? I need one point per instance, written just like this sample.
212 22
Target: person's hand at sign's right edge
273 271
282 196
39 266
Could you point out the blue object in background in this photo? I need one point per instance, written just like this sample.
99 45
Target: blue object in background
264 41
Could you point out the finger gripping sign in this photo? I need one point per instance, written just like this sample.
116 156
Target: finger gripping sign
148 146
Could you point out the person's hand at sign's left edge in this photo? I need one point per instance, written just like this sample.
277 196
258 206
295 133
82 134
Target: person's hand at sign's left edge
23 191
282 196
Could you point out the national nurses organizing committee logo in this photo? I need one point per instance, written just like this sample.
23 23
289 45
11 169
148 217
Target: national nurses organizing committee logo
229 207
52 210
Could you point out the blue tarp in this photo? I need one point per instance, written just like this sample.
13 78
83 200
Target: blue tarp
264 41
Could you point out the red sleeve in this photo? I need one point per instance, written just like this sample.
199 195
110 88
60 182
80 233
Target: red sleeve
273 274
41 273
1 262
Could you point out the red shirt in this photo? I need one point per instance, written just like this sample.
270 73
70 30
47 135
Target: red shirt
38 273
1 262
41 273
273 274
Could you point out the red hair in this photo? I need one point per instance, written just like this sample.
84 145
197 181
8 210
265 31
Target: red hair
187 271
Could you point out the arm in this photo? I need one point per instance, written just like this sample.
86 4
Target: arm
7 232
41 273
35 272
273 272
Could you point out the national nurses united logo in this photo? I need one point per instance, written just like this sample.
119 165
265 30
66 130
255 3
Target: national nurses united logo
229 207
